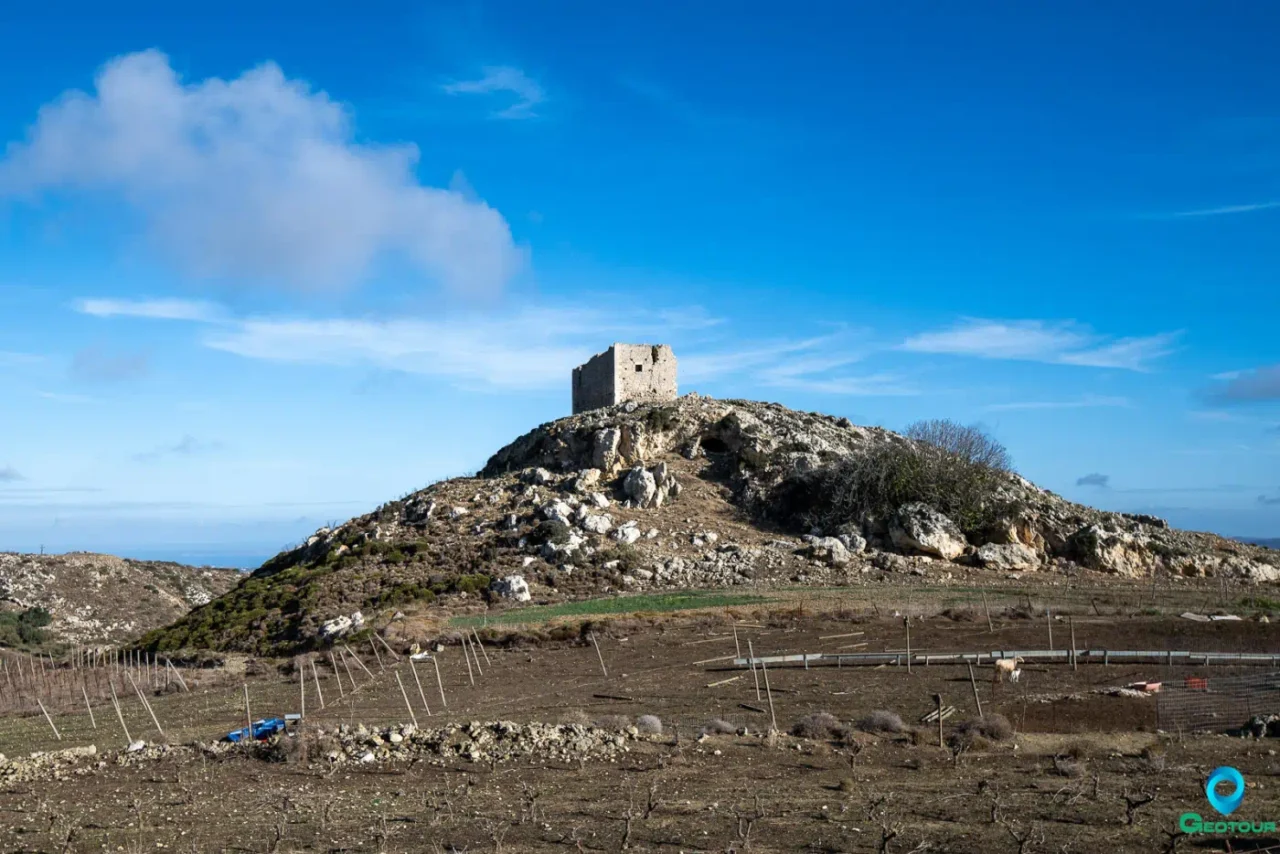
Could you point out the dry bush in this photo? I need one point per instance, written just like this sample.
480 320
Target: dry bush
922 736
967 739
817 726
649 724
719 727
960 615
1078 750
575 716
993 728
1064 767
882 721
957 470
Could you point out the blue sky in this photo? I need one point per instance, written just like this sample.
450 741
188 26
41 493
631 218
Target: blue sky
265 266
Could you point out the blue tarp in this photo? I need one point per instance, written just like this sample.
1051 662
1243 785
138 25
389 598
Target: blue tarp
262 730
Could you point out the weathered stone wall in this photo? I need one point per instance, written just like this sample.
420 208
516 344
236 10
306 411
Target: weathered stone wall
639 372
593 383
644 372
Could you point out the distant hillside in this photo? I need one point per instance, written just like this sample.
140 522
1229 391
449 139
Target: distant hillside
93 598
695 493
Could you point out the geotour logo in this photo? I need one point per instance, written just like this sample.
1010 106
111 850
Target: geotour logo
1225 804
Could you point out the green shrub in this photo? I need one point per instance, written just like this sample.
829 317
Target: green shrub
954 469
551 531
24 628
475 583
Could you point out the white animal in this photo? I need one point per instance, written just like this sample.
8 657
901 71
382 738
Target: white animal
1006 667
1015 675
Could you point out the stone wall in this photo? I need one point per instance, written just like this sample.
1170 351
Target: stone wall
644 372
640 372
593 383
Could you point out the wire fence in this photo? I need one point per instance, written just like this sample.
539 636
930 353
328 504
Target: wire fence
1216 703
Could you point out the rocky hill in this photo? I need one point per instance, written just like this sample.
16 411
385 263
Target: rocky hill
99 599
693 493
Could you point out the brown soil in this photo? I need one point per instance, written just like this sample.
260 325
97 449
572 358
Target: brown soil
727 793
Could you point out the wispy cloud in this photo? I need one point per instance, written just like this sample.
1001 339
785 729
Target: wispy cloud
1088 401
186 446
8 474
1228 210
98 365
1250 386
1041 341
64 398
156 309
524 91
535 347
1101 481
257 178
10 359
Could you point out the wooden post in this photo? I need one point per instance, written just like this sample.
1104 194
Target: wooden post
990 628
181 681
377 656
752 661
150 710
315 674
772 717
347 667
467 659
248 717
357 660
405 694
333 662
87 705
937 698
302 689
394 655
1071 622
439 684
737 648
49 719
973 683
421 694
598 655
116 703
906 621
472 646
476 635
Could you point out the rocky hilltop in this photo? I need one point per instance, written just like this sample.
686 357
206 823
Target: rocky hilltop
696 492
99 599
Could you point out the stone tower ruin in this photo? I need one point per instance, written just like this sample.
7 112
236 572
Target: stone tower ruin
639 372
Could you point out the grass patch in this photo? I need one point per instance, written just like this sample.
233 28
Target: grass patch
657 603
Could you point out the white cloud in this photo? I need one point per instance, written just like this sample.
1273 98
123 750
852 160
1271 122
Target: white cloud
158 309
11 359
1229 209
257 177
503 80
1038 341
1088 401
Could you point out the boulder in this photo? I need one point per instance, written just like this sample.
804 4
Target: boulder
597 523
1116 552
1008 556
627 534
587 480
512 587
829 550
855 543
640 486
557 511
917 527
339 626
604 450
